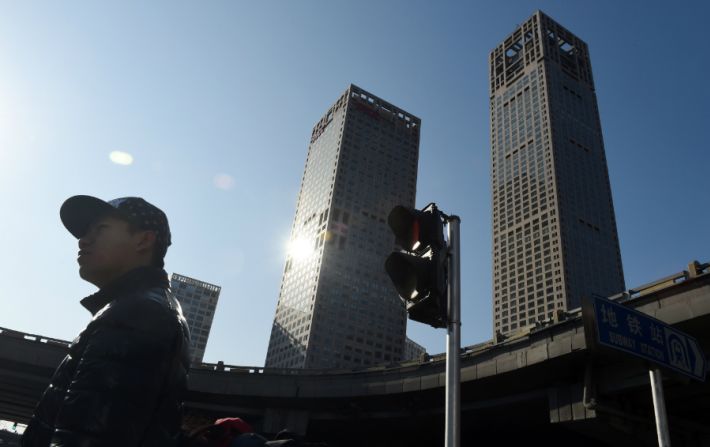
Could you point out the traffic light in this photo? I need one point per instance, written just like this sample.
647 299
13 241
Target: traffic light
419 272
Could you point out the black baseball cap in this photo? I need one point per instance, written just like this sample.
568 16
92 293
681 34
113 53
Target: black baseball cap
79 212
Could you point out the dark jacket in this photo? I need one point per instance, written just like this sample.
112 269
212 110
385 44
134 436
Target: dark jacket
122 382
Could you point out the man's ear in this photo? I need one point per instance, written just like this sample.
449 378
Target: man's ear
146 241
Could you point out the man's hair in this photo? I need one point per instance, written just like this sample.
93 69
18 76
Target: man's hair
156 258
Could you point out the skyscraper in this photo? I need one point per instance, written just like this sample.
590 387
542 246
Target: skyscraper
337 307
554 230
198 300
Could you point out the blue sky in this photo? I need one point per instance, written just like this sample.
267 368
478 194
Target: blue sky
195 90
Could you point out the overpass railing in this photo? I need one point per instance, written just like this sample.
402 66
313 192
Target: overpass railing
5 332
695 269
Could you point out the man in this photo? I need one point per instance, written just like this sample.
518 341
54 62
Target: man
121 383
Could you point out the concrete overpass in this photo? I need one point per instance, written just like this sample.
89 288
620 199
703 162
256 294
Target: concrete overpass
542 385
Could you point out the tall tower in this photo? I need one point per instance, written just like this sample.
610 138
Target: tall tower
554 230
198 300
337 307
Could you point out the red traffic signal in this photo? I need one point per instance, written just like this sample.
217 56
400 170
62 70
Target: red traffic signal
415 230
419 273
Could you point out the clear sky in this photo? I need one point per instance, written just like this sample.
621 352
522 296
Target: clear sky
216 100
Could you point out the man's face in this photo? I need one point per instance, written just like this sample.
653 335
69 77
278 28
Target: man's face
109 249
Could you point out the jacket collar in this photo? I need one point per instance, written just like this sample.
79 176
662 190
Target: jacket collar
138 279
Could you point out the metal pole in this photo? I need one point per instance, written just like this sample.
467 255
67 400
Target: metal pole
453 338
659 407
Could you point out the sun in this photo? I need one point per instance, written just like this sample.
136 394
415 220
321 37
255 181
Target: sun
300 248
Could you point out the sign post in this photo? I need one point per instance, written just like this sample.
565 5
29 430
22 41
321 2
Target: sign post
659 407
618 327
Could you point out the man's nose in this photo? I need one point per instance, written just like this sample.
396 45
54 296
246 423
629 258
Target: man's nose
83 242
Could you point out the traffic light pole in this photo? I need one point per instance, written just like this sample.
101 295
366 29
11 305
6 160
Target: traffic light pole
453 337
427 270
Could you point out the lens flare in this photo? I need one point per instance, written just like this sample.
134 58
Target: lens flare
223 181
121 158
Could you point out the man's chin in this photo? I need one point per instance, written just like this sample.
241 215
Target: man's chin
89 275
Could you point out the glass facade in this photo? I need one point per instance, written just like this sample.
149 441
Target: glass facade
413 350
554 230
198 300
337 307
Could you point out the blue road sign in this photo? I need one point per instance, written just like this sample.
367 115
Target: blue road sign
636 333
